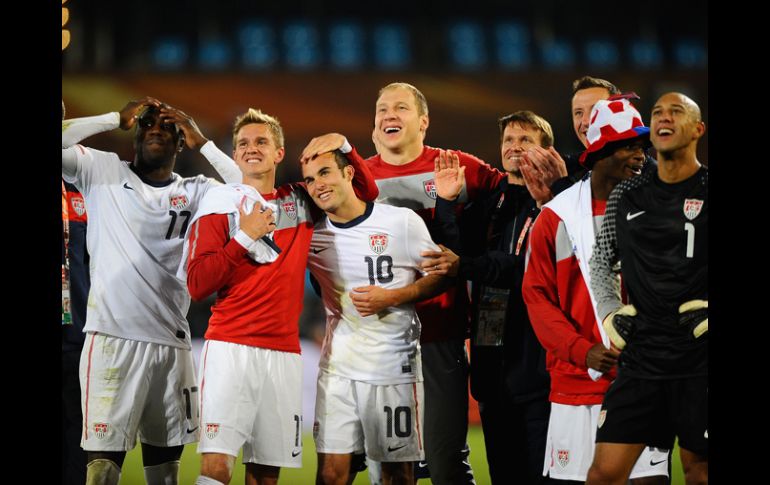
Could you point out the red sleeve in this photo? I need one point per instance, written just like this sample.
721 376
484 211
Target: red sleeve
363 180
479 175
213 255
556 332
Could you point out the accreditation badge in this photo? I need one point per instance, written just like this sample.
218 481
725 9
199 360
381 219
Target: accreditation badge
490 324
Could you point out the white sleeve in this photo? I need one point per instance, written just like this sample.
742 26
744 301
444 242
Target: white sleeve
224 165
418 239
77 129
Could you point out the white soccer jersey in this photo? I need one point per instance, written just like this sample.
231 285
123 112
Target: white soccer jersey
381 248
135 236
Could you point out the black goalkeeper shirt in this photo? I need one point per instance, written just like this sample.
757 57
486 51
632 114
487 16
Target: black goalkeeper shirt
659 233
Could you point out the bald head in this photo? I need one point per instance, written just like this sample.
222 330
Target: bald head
674 98
675 126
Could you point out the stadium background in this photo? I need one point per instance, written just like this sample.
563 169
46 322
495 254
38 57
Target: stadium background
318 66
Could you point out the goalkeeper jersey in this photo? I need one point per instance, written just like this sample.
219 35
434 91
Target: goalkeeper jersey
659 233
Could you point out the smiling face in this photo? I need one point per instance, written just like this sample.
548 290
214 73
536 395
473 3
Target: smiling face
582 102
330 186
517 138
255 150
675 124
398 122
624 163
156 143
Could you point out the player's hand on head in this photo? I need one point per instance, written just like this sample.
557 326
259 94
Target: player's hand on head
694 315
620 325
321 144
194 138
601 358
258 222
131 111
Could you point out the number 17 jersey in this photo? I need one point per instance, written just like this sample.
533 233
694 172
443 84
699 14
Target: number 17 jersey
382 248
135 236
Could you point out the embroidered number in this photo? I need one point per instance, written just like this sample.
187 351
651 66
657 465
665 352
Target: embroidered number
384 269
188 400
399 422
174 217
690 230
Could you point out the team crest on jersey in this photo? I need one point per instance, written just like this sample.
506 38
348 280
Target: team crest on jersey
602 417
101 429
290 208
212 430
378 242
692 208
562 456
430 188
179 202
79 205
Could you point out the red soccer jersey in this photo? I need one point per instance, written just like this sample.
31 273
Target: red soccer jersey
257 304
561 311
411 185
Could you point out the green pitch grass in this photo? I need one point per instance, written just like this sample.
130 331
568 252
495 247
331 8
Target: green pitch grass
133 475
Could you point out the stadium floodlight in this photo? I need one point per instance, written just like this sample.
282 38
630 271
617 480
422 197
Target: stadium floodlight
300 41
512 45
390 44
65 33
256 39
170 53
645 54
557 54
346 45
601 53
467 49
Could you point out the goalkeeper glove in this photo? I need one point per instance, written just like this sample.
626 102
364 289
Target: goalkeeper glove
620 325
694 314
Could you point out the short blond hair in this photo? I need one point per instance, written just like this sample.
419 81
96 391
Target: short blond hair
258 117
419 98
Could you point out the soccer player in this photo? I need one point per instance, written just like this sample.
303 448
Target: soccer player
559 303
656 225
75 284
366 258
251 369
507 372
403 168
136 369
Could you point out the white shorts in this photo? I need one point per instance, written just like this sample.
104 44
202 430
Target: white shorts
385 421
569 448
130 387
252 398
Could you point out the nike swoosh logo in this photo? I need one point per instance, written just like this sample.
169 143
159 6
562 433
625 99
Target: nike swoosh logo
192 430
318 250
630 216
295 453
395 448
422 464
126 186
654 463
